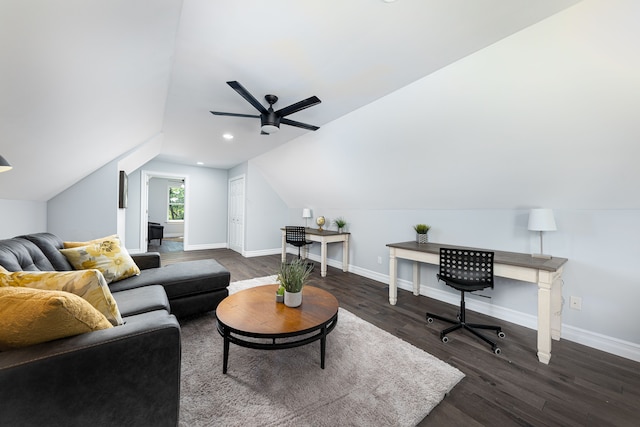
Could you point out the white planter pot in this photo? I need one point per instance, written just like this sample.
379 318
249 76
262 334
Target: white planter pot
422 238
292 299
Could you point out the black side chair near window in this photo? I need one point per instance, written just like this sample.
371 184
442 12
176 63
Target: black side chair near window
466 271
155 231
296 236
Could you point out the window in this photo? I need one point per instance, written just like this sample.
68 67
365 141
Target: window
175 211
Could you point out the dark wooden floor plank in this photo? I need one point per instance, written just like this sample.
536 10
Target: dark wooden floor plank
580 387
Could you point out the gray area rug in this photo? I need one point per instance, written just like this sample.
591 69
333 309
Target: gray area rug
371 378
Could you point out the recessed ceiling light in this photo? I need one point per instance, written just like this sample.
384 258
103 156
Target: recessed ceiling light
388 1
199 163
227 136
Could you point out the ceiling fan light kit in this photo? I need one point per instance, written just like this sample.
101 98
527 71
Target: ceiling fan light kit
269 119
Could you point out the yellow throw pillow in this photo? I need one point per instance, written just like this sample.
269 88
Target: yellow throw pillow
31 316
106 255
88 284
68 245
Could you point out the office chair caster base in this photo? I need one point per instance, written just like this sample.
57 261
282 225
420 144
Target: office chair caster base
429 320
445 339
497 350
501 334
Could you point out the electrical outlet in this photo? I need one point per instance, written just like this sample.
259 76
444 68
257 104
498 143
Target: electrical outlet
575 303
379 260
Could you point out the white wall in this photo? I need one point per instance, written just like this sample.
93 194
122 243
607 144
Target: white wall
266 213
206 210
22 217
541 118
524 123
88 209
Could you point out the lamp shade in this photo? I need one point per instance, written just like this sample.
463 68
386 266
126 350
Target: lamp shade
542 220
306 213
4 165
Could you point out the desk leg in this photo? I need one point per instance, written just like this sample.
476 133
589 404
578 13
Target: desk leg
416 278
556 305
345 254
284 247
323 259
544 317
393 277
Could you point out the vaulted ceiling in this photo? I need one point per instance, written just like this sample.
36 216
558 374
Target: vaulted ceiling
84 82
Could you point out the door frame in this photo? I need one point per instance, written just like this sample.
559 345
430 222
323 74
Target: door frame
145 176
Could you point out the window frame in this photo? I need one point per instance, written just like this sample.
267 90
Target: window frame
170 185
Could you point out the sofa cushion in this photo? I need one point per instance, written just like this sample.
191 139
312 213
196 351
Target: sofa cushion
106 255
87 284
142 300
19 254
181 279
31 316
50 245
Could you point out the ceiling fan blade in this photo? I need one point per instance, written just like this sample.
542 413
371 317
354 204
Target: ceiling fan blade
294 108
246 95
220 113
298 124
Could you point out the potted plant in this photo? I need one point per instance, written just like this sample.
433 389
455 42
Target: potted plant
422 230
293 277
280 293
340 223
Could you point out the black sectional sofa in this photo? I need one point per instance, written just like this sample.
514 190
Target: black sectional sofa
125 375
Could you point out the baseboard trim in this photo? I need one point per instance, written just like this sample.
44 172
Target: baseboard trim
205 246
264 252
611 345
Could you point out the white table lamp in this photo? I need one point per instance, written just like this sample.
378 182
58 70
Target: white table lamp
306 214
541 220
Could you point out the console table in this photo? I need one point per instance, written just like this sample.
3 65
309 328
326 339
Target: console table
323 237
546 273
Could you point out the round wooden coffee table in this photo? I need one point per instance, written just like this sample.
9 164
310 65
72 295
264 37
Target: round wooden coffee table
254 313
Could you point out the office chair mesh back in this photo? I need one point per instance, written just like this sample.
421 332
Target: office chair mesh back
296 236
471 266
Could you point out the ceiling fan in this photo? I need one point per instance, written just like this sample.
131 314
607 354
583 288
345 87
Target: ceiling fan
269 119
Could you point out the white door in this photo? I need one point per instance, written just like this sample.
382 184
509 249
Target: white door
236 214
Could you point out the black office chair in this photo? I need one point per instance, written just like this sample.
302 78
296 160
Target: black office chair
296 236
466 270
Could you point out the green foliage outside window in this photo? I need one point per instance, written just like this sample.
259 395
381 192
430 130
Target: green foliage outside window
176 204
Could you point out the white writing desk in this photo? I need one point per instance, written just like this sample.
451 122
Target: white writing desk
546 273
323 237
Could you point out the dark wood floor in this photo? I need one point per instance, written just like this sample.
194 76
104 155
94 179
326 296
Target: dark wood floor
580 387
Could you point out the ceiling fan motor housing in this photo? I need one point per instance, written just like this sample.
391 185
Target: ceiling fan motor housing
270 120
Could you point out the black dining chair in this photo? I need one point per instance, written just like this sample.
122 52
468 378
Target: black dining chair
466 270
